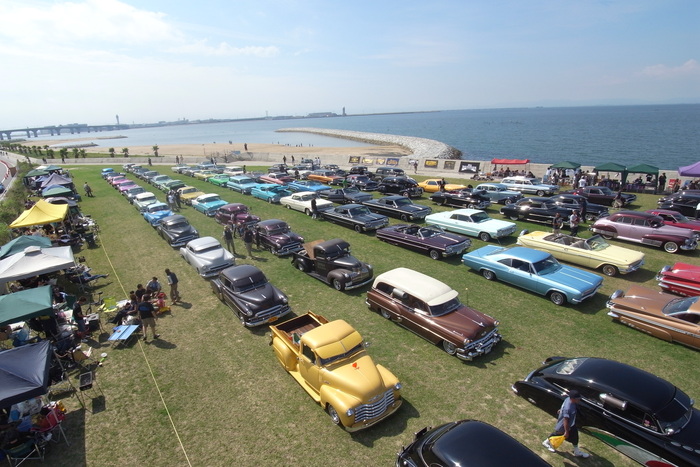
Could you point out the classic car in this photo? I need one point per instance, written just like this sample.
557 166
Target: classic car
330 261
158 180
277 237
142 200
302 170
345 195
117 180
405 186
192 169
188 193
465 198
323 176
302 202
247 291
677 219
604 195
645 228
533 270
641 415
241 183
270 192
363 182
589 211
124 187
663 315
529 185
208 203
535 209
219 179
236 214
685 204
106 171
433 185
499 193
594 252
381 173
148 175
464 443
307 185
132 192
204 174
154 212
207 256
278 168
432 310
471 222
232 170
682 279
431 240
400 207
179 168
176 230
172 185
280 178
355 216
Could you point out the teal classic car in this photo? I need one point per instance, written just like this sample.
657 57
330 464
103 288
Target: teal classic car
270 192
172 185
219 179
472 222
155 212
534 270
241 183
208 204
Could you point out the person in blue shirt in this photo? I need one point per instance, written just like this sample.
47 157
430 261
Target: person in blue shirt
566 424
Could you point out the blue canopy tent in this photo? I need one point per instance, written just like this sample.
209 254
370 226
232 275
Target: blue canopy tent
24 372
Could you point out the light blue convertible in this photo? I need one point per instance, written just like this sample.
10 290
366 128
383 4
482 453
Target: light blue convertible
270 192
534 270
208 204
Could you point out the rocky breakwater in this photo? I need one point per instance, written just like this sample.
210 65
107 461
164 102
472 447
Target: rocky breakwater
419 147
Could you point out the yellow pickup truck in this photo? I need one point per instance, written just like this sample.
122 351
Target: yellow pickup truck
329 360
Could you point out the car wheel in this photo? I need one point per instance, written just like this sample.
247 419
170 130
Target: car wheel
337 285
434 254
471 206
335 418
358 228
449 347
607 236
557 298
307 211
508 201
404 217
269 200
288 206
484 237
488 274
406 194
590 217
617 204
609 270
272 250
385 313
513 217
301 265
671 247
540 193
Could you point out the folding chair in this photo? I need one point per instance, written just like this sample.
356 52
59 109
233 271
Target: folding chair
29 450
81 356
87 381
109 305
55 419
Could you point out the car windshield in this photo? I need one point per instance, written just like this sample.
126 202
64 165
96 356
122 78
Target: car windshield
427 232
251 285
403 202
480 217
546 266
676 414
597 243
445 308
161 207
341 356
178 225
245 181
278 230
207 249
351 190
606 191
358 211
679 305
188 190
307 197
209 199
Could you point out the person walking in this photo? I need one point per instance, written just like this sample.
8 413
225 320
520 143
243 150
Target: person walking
566 424
228 237
314 209
248 240
557 223
662 182
172 203
172 282
574 221
88 190
147 314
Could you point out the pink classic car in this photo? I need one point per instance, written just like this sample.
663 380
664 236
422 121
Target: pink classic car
682 279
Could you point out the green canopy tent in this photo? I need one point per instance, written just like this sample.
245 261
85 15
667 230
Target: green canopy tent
646 169
613 167
20 243
57 191
566 165
26 304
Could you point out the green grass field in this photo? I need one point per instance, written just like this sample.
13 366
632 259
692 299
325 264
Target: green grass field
211 392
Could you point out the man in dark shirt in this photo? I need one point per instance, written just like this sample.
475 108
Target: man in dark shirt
78 316
140 292
148 316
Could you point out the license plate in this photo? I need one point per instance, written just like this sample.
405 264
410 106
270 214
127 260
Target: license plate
273 319
488 349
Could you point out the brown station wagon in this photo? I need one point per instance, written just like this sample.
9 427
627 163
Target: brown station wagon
666 316
432 310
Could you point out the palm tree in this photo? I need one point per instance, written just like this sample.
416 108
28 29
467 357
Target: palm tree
155 150
50 153
76 153
82 153
111 152
125 151
63 152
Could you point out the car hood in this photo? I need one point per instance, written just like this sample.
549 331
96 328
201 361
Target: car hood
687 272
466 322
348 262
285 239
573 277
262 297
214 257
358 197
179 231
644 300
358 377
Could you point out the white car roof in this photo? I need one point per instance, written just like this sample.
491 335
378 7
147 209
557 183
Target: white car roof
423 287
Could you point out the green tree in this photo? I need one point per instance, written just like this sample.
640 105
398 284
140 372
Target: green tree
111 152
82 152
50 153
125 151
155 150
76 153
63 152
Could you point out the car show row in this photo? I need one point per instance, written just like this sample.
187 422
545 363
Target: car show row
641 415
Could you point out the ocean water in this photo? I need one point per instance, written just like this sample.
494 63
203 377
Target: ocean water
667 136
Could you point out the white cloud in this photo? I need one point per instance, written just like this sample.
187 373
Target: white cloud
223 49
689 68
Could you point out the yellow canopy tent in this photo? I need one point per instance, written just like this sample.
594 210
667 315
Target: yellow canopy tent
41 213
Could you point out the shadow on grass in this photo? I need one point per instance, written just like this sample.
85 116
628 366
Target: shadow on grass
161 344
484 361
393 426
569 459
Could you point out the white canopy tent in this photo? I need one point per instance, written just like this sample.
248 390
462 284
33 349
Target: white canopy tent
34 261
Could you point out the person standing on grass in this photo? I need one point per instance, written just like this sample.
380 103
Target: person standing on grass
172 282
147 314
228 237
78 315
557 223
88 190
574 221
314 208
248 240
566 424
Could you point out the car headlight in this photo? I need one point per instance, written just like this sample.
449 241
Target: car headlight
350 412
398 386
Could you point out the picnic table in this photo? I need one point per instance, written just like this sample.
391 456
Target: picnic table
123 333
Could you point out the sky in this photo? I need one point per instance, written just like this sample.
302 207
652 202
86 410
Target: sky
87 61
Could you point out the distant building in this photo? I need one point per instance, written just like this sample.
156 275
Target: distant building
322 114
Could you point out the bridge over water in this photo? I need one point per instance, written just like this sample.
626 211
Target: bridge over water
54 130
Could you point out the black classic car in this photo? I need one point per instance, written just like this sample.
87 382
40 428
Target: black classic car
363 182
400 207
431 240
641 415
535 209
276 236
355 216
246 290
176 230
235 214
400 185
604 195
466 198
331 262
685 204
466 442
589 211
345 195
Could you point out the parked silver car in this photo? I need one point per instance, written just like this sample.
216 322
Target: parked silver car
207 256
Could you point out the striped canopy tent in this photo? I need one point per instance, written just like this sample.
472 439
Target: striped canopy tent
566 165
613 167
